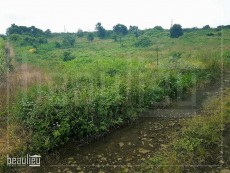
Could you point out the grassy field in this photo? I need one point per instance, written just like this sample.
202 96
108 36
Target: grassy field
108 83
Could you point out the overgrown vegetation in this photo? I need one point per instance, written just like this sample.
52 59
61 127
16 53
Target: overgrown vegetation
199 143
2 59
109 84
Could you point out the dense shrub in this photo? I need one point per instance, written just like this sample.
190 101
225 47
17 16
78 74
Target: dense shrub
210 34
67 56
143 42
176 31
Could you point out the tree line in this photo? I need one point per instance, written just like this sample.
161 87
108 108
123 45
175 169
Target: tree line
35 36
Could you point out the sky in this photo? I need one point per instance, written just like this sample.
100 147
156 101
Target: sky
71 15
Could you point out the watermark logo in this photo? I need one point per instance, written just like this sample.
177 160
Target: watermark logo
29 160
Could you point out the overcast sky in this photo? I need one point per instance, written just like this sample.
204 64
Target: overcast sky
84 14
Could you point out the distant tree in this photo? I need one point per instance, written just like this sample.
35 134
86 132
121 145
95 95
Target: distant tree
90 37
206 27
176 31
143 41
101 32
68 41
135 31
158 28
48 32
120 30
32 31
80 33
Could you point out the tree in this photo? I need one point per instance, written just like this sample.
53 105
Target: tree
32 31
135 31
176 31
101 32
120 30
90 37
158 28
48 32
80 33
143 41
68 41
206 27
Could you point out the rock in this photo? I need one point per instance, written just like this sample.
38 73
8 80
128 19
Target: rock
143 151
70 158
119 159
103 159
128 159
99 156
78 168
121 144
221 162
163 146
101 171
129 143
65 170
126 170
59 170
151 145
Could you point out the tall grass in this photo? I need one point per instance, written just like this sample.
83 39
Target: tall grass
2 58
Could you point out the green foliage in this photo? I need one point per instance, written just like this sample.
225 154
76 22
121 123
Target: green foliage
31 31
120 29
2 58
68 41
80 33
67 56
101 32
57 44
90 37
135 31
158 28
15 37
210 34
176 31
206 27
143 42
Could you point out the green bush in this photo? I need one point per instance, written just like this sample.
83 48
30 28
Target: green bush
143 42
67 56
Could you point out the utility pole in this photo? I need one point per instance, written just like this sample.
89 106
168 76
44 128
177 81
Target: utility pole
171 23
